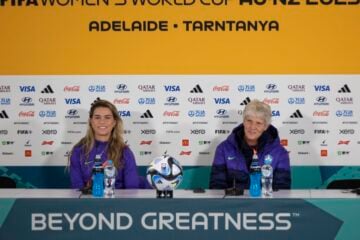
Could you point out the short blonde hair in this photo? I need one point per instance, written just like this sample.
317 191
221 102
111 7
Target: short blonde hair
258 109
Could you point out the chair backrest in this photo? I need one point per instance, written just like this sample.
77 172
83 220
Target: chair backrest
7 182
344 184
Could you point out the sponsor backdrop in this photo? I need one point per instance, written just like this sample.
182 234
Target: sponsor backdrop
42 117
59 55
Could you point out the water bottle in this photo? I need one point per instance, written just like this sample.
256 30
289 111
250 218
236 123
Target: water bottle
97 178
267 177
109 180
255 177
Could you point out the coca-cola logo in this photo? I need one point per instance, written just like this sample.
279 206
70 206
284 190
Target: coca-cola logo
71 88
27 114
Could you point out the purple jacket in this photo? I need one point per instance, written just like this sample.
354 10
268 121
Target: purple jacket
81 168
231 163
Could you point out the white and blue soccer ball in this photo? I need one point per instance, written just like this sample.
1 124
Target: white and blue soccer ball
164 173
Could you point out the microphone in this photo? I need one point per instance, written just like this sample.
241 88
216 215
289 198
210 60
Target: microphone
234 191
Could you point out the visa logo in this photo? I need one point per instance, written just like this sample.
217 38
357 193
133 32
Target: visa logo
222 100
27 88
322 88
124 114
172 88
72 100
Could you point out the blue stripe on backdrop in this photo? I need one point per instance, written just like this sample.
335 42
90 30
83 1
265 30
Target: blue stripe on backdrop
194 176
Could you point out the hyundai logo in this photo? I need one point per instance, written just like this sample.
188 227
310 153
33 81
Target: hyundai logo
26 99
271 86
221 111
72 112
121 87
321 99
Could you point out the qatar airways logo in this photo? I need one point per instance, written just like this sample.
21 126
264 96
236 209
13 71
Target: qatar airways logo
196 100
72 88
184 221
27 114
47 101
146 88
5 88
344 100
296 88
224 88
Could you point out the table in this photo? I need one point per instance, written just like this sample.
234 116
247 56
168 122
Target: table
137 214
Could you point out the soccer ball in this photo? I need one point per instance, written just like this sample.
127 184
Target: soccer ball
164 173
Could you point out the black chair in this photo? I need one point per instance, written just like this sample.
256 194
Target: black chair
7 182
344 184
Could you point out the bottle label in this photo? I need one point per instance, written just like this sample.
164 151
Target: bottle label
268 159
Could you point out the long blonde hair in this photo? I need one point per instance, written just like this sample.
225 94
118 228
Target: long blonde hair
116 142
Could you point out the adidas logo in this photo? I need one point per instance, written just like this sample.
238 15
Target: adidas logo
296 114
196 89
246 101
345 89
47 89
3 114
147 114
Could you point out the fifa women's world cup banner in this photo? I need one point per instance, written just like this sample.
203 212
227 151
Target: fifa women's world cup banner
187 116
61 37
